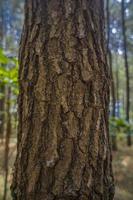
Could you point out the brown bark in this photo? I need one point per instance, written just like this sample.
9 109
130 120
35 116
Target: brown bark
129 142
63 140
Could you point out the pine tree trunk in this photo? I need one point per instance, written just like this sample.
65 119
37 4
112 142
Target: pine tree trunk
2 105
129 142
110 59
117 88
2 87
113 137
63 140
7 141
1 23
112 85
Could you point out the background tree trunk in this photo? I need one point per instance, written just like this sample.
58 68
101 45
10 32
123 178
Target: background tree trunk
112 85
113 136
7 141
129 142
110 58
1 24
63 141
2 105
117 88
2 87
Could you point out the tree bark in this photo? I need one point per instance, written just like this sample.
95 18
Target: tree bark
63 140
129 142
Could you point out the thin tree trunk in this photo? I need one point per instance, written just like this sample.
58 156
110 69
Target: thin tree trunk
7 142
129 142
112 85
110 59
63 141
2 87
2 106
1 24
113 136
117 83
108 24
117 88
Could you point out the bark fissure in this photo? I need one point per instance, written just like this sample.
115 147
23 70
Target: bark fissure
63 146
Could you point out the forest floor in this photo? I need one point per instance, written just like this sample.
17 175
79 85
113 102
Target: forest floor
123 172
122 164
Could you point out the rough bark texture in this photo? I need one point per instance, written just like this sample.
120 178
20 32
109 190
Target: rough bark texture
63 141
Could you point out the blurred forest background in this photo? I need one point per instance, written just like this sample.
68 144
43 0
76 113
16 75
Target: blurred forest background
119 35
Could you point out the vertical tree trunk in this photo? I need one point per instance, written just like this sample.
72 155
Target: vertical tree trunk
112 85
1 23
2 87
117 88
7 142
110 59
2 105
129 142
113 136
63 140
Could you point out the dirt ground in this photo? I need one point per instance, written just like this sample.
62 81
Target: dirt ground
123 172
122 165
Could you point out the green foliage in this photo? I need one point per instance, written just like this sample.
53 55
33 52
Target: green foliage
3 58
119 125
9 72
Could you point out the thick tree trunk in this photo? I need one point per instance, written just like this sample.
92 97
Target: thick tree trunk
63 141
129 142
